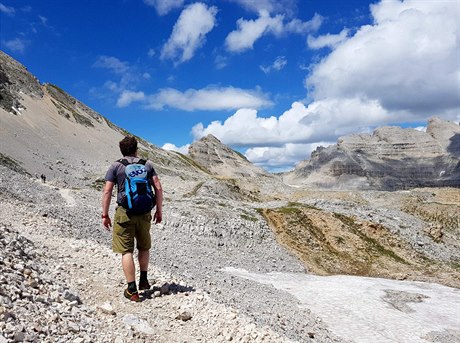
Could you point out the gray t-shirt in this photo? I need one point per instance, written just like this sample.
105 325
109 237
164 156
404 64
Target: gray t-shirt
116 174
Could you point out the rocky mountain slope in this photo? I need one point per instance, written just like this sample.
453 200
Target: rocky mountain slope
59 280
46 131
391 158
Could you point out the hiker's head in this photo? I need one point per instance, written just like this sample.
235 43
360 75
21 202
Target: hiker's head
128 146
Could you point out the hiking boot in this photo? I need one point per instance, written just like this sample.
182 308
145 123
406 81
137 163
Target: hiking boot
131 296
144 285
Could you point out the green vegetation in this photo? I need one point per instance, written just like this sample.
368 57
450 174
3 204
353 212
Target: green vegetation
371 242
194 190
241 155
60 90
80 119
249 218
98 184
64 110
192 162
436 213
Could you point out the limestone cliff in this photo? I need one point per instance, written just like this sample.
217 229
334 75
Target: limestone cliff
390 158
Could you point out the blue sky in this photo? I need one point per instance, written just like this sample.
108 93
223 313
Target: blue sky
270 78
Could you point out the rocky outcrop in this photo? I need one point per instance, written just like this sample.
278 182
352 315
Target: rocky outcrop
45 130
391 158
11 88
221 160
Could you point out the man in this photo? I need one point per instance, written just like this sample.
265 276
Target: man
129 227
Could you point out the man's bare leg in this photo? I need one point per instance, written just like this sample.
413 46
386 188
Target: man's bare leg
143 258
129 268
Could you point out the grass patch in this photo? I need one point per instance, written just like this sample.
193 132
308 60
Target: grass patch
371 242
192 162
194 190
248 218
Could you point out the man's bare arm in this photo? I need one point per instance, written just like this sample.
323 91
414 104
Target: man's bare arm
106 198
159 199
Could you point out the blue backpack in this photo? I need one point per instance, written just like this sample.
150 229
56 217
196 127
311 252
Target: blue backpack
139 196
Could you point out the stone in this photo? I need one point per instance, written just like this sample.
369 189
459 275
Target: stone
106 308
138 324
184 316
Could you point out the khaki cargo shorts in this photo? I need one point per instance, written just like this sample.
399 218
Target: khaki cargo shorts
126 228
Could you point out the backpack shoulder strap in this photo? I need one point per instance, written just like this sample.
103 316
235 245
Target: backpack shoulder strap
142 161
123 161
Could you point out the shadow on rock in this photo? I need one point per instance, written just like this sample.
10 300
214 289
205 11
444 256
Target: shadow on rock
165 289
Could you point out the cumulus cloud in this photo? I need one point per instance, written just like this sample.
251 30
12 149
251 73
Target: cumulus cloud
279 63
127 97
281 158
8 10
249 31
189 32
300 124
163 7
208 99
328 40
171 147
401 68
406 61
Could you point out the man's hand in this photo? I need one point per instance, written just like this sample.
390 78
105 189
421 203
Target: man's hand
107 223
157 217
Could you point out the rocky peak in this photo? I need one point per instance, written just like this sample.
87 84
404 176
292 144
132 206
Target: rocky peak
14 80
390 158
219 159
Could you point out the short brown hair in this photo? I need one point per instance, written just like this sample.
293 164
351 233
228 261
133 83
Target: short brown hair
128 146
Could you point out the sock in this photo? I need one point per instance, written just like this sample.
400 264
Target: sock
132 288
143 276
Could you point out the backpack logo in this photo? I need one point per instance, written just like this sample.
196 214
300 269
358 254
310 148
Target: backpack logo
139 198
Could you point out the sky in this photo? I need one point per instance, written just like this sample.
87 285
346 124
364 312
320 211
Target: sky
272 79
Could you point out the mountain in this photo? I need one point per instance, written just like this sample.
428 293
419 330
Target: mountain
236 255
221 160
46 131
388 159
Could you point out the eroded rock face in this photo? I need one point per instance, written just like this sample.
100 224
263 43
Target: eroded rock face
221 160
11 87
391 158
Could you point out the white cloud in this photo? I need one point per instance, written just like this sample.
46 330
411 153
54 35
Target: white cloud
300 124
279 63
208 99
111 63
281 158
16 45
7 10
220 62
249 31
127 97
189 32
303 27
270 6
151 52
407 60
402 68
128 77
163 7
171 147
328 40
